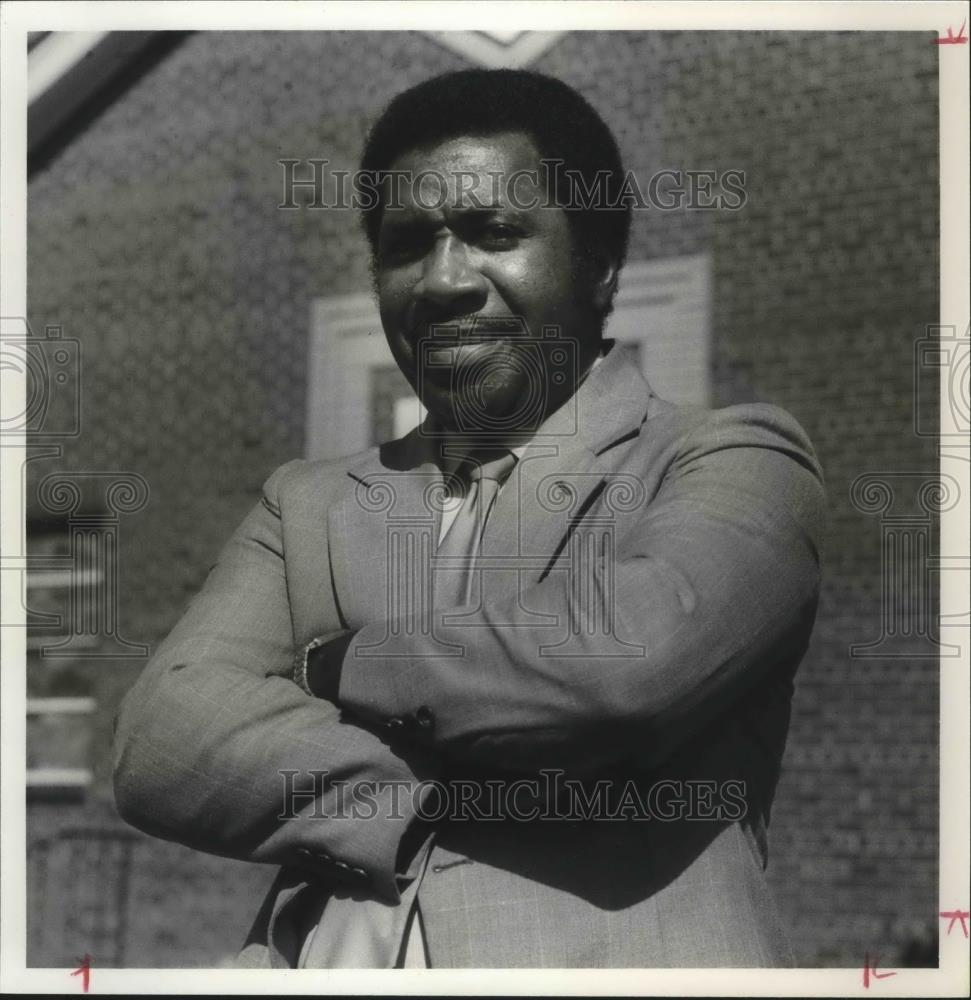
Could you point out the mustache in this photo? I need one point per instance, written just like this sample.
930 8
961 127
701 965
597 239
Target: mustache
469 326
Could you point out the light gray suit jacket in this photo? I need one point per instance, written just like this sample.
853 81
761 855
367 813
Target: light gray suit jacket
650 582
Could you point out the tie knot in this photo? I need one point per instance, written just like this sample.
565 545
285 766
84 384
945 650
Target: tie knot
495 464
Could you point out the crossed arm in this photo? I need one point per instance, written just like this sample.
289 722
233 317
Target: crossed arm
720 573
717 584
207 736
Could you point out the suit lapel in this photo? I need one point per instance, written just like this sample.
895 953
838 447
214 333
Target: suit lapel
566 467
390 494
388 498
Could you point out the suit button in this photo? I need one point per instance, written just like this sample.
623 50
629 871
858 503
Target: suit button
424 718
360 875
395 724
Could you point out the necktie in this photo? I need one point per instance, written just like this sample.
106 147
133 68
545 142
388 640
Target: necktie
483 474
364 933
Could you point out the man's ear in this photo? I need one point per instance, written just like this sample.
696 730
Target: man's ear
603 285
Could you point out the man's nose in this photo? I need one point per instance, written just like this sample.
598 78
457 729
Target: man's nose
449 282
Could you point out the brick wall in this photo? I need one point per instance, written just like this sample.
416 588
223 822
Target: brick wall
155 239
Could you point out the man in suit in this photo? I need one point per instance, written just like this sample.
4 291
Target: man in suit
559 620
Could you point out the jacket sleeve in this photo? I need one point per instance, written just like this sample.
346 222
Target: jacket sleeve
717 582
217 748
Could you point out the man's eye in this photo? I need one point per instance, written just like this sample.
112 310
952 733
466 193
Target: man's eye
498 235
403 246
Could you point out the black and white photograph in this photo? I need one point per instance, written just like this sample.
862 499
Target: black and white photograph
485 498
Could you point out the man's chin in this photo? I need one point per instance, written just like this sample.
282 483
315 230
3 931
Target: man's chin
482 413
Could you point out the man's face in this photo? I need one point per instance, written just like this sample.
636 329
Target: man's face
460 256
